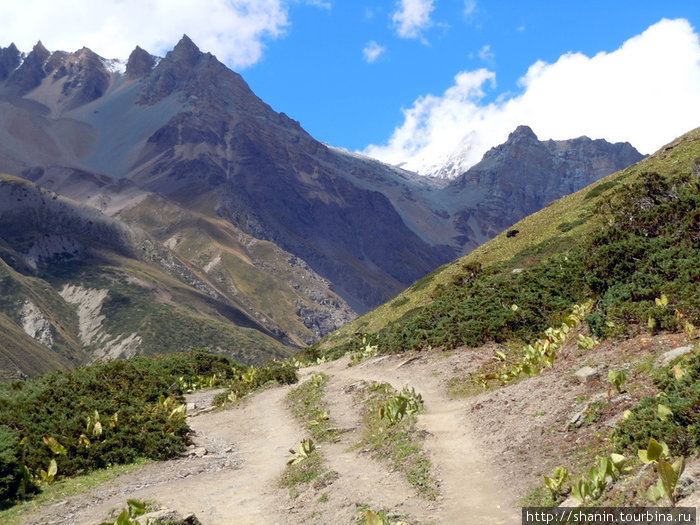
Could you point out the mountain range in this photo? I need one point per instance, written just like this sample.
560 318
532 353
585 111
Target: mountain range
162 205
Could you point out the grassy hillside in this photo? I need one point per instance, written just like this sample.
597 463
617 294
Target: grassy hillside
621 242
255 275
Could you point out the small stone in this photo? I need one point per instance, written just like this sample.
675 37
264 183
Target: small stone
669 356
200 452
160 515
191 406
587 375
570 502
191 519
686 485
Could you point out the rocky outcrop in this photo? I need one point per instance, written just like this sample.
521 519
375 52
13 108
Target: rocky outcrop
84 76
30 74
140 63
10 59
35 324
523 175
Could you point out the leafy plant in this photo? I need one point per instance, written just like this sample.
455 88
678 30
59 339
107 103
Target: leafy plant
673 416
133 510
306 447
617 378
538 355
593 486
50 475
371 517
397 407
368 350
669 473
556 482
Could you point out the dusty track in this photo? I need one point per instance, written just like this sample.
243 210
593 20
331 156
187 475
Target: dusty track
237 481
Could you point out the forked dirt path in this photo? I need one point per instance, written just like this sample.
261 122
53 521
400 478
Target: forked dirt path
473 491
236 482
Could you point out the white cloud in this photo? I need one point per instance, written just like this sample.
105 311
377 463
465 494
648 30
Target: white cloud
412 16
372 51
469 8
486 54
646 92
235 31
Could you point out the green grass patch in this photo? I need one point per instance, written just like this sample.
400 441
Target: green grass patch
66 488
308 405
311 472
399 443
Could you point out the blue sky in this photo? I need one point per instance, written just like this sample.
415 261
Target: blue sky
410 81
317 73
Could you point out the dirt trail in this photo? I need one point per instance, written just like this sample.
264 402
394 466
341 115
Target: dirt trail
236 482
256 436
472 490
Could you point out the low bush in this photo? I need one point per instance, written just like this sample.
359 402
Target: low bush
280 372
97 415
680 430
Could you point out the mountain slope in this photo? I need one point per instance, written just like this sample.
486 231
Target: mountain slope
191 130
87 286
560 253
194 193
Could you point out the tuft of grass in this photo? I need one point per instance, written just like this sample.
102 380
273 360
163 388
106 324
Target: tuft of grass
399 443
312 471
308 405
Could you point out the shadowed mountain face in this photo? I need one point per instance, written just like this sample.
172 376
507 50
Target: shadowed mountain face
294 232
523 175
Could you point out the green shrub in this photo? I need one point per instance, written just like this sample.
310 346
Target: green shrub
600 189
101 414
681 430
480 308
10 466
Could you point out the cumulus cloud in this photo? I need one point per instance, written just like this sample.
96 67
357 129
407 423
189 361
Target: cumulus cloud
235 31
412 16
647 92
372 51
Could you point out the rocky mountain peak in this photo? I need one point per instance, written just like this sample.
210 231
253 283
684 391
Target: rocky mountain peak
10 59
179 68
30 74
185 52
84 75
140 63
40 49
522 132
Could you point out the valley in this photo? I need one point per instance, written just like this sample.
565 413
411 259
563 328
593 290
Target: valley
209 198
280 331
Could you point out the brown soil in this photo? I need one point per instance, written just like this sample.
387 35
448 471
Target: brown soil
487 450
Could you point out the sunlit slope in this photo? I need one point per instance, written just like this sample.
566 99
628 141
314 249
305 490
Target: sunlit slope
561 227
